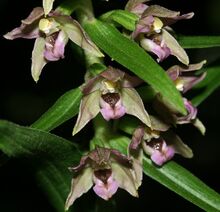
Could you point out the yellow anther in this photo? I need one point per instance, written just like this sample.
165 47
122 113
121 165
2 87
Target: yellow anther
45 25
157 25
150 133
110 86
179 84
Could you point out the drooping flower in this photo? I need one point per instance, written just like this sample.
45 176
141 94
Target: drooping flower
191 117
51 31
152 30
107 170
156 45
184 77
171 116
112 94
160 143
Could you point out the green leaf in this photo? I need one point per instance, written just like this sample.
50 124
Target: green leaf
130 55
65 107
50 155
177 179
122 17
146 93
194 42
208 85
53 179
184 183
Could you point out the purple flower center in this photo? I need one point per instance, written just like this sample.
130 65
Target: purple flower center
156 144
111 98
103 174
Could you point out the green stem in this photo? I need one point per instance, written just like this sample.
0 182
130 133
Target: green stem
101 127
69 6
84 14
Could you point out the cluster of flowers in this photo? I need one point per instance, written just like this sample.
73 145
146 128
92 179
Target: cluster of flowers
112 94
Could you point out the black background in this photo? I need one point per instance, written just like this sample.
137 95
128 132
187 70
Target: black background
23 101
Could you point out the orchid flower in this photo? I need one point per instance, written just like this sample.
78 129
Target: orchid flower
152 30
51 31
171 116
184 76
112 94
160 143
107 170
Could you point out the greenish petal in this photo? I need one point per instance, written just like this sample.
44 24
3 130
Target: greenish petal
47 5
137 170
199 125
175 48
158 124
134 105
38 60
77 35
89 108
158 11
173 140
79 185
124 178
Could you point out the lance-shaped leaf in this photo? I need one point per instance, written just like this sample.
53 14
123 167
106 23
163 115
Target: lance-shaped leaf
197 42
38 60
67 106
134 105
47 5
130 55
122 17
89 108
175 48
51 155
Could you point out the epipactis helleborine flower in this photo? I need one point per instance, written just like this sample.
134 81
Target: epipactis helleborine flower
160 143
107 170
51 31
112 94
191 117
152 30
184 77
171 116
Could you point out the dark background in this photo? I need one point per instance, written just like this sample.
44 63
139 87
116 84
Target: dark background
23 101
